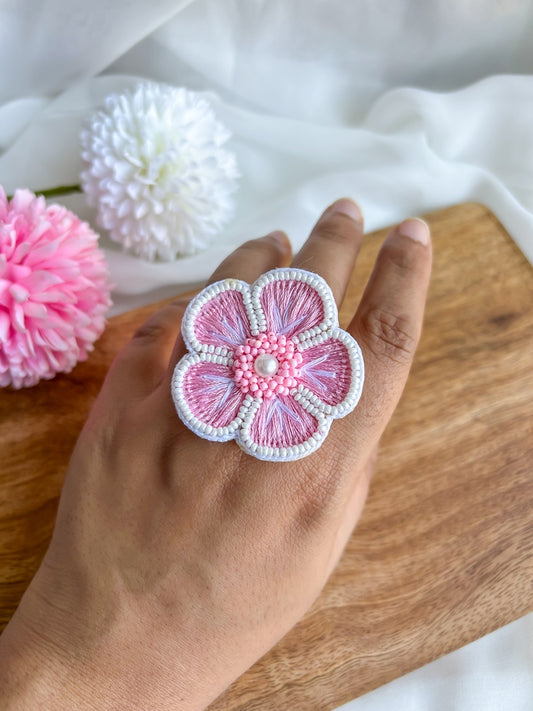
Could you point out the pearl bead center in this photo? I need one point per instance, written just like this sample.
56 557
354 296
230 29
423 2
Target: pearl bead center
266 365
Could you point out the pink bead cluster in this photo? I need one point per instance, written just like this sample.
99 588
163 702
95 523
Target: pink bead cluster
250 381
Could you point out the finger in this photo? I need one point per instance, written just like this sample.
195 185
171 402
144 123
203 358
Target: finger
254 257
332 247
142 364
388 323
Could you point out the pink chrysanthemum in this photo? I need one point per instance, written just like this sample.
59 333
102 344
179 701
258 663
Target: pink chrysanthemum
268 364
54 289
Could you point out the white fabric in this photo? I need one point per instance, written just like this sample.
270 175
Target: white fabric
406 106
495 673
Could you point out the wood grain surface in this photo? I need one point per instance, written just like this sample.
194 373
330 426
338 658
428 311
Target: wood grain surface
443 552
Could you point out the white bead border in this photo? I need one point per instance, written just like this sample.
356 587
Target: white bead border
202 429
301 393
206 295
281 454
331 318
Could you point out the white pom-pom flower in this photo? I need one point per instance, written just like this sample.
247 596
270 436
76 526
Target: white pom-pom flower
158 172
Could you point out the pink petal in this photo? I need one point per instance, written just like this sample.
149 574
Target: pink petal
281 422
61 296
291 306
21 251
5 298
5 323
66 268
326 371
40 280
17 313
19 272
21 201
54 340
33 310
19 293
209 392
331 373
221 320
25 345
39 254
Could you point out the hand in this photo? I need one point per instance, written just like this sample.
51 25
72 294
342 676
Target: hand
176 562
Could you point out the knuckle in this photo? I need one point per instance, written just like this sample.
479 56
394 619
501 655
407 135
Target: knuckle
316 491
390 336
402 260
337 228
180 304
250 245
266 246
150 331
158 325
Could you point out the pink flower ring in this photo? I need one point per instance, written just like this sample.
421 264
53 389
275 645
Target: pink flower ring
267 365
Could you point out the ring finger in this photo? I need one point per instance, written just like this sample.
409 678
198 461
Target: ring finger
254 257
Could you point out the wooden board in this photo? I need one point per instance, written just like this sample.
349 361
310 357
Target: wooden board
443 552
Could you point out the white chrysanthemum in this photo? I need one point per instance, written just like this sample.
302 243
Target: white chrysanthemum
157 172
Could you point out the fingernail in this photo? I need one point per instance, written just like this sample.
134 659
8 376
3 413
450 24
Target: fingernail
414 228
348 207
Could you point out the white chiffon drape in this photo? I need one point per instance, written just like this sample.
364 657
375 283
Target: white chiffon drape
405 106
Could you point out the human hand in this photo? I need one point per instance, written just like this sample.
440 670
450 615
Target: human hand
176 562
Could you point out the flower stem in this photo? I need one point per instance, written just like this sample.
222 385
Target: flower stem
55 192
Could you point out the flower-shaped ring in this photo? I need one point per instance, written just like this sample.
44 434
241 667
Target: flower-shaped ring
267 365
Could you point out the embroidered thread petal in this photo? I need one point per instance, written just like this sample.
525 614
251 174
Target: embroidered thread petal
218 317
281 422
326 371
332 373
291 307
211 393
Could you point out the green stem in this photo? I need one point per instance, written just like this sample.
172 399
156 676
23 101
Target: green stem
55 192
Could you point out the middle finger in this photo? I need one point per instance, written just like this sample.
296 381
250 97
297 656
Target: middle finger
333 245
254 257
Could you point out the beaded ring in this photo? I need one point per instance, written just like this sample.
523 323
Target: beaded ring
267 365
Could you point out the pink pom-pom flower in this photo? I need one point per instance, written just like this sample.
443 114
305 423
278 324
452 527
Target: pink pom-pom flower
54 289
267 365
